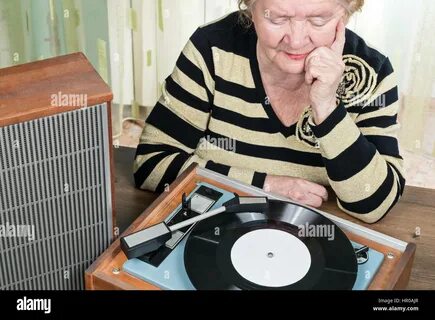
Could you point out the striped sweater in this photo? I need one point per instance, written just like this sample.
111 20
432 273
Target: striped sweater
214 111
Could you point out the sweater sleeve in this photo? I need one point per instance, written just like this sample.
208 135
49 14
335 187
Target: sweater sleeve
361 155
178 122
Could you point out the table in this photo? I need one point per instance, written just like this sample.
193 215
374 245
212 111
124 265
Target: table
416 209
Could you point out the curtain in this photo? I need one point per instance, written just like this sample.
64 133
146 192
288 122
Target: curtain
38 29
163 28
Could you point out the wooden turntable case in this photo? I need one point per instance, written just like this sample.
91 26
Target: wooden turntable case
106 272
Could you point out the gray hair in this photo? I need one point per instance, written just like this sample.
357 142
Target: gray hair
246 6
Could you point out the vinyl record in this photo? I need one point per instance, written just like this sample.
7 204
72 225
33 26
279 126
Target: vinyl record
290 247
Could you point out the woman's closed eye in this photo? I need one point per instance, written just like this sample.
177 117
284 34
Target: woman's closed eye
318 22
279 20
315 21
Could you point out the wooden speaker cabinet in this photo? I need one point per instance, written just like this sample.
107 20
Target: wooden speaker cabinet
56 173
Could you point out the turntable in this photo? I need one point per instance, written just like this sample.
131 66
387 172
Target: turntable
288 246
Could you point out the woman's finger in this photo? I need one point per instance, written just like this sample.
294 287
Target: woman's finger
340 39
312 200
309 79
317 190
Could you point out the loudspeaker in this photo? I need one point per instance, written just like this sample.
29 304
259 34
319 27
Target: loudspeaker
56 173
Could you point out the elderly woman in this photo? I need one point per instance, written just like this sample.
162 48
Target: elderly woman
281 96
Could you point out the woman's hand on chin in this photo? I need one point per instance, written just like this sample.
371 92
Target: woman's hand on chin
324 69
297 189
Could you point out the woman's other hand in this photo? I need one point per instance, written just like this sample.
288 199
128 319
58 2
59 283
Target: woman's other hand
297 189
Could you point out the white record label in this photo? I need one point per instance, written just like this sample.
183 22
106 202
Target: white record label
270 258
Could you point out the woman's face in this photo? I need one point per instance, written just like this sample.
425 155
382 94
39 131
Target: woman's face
287 42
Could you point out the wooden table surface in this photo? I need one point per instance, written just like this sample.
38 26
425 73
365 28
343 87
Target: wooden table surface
416 209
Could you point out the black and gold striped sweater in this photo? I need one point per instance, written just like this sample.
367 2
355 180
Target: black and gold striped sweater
214 111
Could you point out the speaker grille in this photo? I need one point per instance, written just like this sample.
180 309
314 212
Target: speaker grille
55 178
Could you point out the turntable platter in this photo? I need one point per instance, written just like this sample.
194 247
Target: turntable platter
289 247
